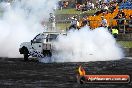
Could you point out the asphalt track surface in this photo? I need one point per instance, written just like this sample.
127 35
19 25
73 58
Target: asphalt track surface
15 73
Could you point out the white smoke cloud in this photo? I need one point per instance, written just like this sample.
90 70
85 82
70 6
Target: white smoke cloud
87 45
21 22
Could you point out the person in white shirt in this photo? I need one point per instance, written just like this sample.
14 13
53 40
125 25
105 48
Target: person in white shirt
52 21
104 22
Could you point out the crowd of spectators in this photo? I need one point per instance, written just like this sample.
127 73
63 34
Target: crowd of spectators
62 4
106 7
90 4
103 7
85 6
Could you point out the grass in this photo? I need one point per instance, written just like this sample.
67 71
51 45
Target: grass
70 11
1 12
74 11
62 26
126 44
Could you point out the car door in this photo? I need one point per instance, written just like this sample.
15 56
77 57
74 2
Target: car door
37 43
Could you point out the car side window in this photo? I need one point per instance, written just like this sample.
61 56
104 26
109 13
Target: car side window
39 38
52 37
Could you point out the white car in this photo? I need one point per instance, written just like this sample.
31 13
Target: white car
40 46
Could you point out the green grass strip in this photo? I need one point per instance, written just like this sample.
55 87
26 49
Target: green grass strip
127 44
74 11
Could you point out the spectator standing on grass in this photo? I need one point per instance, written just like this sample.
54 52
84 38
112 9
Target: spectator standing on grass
78 7
84 21
92 5
104 22
60 4
84 7
105 7
73 23
65 4
52 21
114 32
88 5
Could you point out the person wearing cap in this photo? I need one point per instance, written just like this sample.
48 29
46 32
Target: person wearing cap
104 22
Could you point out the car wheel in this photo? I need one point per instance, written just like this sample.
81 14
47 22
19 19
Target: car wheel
26 57
49 54
26 54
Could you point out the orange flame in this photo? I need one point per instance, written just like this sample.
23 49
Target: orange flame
81 71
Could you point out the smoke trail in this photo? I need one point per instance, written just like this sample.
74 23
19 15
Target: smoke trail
87 45
21 22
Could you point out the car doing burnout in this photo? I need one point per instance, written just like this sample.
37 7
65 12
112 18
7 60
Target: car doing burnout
40 46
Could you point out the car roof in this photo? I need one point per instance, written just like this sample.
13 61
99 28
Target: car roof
54 32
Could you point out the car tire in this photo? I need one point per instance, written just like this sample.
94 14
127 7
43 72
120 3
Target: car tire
49 54
26 57
25 54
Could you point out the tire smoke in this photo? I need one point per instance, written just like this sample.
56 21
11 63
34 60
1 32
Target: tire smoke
87 45
20 22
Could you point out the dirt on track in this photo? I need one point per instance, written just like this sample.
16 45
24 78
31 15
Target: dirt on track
15 73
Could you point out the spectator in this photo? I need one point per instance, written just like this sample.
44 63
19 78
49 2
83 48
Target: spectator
78 7
73 23
122 13
114 32
104 22
130 21
84 7
52 21
65 4
120 19
84 21
60 5
92 5
129 25
88 5
112 7
105 7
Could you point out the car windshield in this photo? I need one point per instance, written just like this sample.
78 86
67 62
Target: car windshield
45 38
